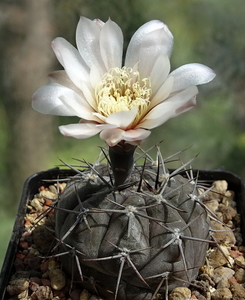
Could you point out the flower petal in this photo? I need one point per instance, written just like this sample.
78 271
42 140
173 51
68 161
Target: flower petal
122 119
112 136
135 135
169 109
143 37
154 44
187 106
111 45
95 76
46 100
159 72
71 60
79 107
81 130
163 92
191 74
62 78
88 93
87 38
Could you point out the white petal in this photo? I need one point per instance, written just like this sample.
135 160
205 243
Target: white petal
79 106
99 23
135 135
143 34
122 119
168 109
112 136
81 130
46 100
191 74
100 117
95 76
71 60
153 45
159 73
62 78
89 95
111 45
87 38
163 92
187 106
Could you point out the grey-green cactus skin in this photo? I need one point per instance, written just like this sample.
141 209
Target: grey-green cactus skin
132 242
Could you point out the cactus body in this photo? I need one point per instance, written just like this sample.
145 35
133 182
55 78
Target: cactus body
135 241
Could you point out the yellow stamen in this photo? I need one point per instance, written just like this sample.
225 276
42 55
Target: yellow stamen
122 90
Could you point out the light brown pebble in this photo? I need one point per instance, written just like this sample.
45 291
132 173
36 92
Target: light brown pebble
228 199
209 270
223 283
48 194
84 295
220 186
240 261
57 279
212 205
238 291
228 213
35 203
222 294
226 238
222 273
240 275
180 293
217 258
44 293
17 286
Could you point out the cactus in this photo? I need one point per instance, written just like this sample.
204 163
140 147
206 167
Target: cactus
134 231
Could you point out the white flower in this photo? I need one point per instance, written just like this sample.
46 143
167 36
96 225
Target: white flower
119 101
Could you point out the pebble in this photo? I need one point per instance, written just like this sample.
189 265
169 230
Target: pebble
219 186
180 293
238 291
228 199
222 294
240 261
223 283
217 258
212 205
209 270
240 275
44 293
84 295
48 195
57 279
35 203
17 286
75 294
226 238
222 273
228 213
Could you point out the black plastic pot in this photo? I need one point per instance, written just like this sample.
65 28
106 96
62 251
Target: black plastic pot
35 181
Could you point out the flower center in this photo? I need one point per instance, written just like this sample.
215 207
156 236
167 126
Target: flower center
122 90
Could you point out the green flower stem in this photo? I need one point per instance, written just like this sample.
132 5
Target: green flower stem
122 161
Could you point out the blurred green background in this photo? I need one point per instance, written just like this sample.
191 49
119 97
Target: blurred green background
205 31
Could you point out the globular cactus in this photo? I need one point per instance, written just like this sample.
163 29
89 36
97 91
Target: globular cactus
136 239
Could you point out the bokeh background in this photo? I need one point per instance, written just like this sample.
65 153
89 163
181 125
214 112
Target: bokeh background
205 31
